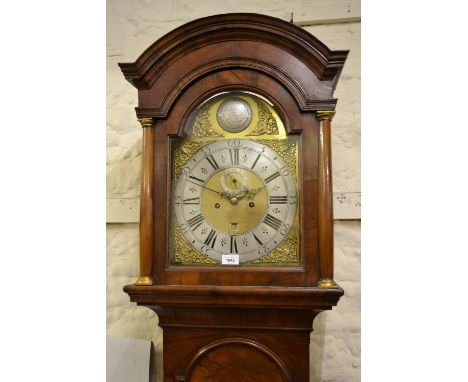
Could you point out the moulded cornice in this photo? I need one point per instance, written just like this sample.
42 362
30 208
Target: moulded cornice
325 63
232 296
306 104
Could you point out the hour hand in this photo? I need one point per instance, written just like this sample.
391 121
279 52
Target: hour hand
253 191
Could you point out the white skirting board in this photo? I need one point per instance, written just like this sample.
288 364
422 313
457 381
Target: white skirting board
346 206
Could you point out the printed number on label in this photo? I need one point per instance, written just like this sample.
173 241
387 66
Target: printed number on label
230 260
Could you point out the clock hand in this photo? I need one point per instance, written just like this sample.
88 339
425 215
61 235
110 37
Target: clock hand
197 184
252 192
221 194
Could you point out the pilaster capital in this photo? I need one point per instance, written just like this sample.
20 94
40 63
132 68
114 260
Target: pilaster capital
325 115
146 122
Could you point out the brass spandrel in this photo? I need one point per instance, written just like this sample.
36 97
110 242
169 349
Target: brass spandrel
266 122
286 149
182 152
184 253
203 126
286 253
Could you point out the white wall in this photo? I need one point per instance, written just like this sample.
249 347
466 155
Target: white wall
131 27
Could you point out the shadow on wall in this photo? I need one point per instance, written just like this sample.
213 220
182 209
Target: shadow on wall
317 341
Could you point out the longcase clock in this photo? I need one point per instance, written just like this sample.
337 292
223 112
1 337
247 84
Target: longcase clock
236 221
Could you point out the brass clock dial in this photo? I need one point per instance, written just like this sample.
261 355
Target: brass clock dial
235 196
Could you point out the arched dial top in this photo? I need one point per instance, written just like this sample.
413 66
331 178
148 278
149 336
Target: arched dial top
235 196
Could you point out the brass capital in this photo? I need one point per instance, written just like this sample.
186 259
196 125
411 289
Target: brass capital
144 280
327 284
325 115
146 122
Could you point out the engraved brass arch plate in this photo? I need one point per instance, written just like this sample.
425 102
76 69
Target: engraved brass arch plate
234 115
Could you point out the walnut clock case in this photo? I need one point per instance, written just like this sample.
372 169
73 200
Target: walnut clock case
236 220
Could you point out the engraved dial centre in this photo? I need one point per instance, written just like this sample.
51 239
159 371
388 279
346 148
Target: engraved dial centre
234 214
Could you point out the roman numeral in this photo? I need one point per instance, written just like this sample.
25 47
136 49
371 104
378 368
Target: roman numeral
278 199
272 222
198 179
271 177
192 201
257 239
254 163
234 153
212 161
211 238
233 245
195 222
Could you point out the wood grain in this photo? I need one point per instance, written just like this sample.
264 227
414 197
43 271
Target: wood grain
237 359
146 208
325 212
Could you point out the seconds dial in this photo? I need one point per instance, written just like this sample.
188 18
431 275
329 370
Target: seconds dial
235 197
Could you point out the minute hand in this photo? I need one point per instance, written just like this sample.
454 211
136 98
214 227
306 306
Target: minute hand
202 186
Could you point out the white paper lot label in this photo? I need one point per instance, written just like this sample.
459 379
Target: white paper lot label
230 259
